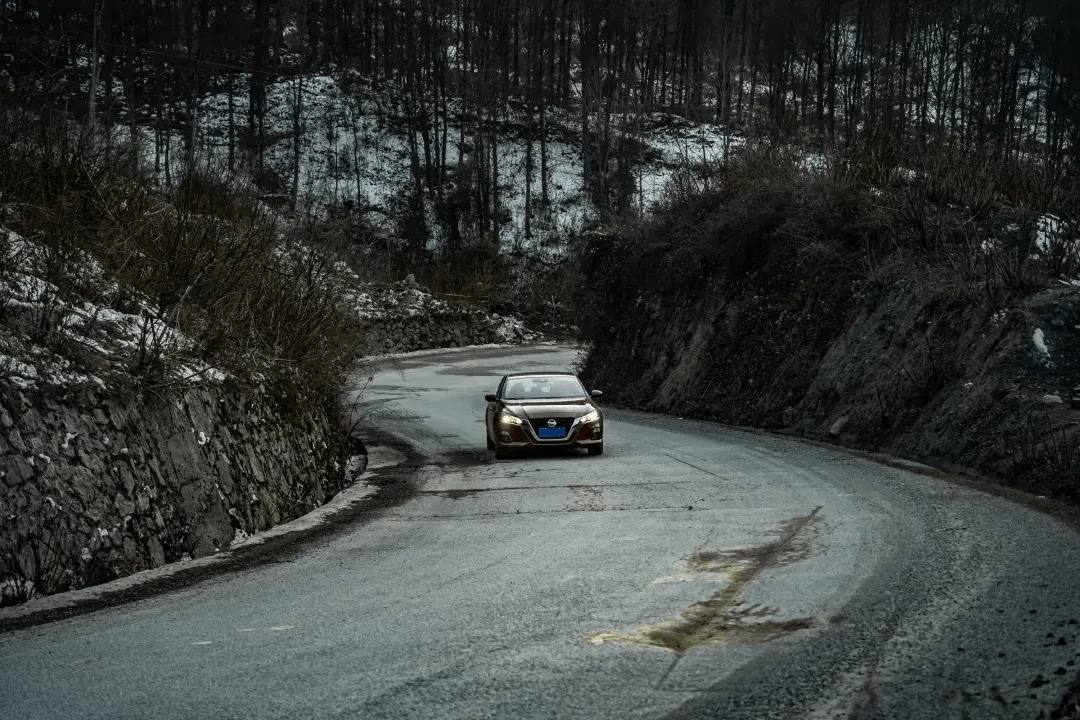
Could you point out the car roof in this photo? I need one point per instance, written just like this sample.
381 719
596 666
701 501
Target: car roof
561 373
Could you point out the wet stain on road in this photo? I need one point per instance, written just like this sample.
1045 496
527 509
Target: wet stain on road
454 494
723 619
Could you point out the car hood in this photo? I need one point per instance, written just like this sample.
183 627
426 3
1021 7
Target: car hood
545 409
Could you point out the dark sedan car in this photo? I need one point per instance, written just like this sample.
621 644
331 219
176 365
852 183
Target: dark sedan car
550 409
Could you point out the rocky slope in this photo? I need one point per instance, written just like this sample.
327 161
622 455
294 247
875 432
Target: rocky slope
948 383
403 316
790 336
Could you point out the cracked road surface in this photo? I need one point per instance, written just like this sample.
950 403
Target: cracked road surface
691 571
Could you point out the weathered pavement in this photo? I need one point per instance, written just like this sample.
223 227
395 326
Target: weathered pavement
691 571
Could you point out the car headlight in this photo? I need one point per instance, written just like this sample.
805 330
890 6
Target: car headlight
591 417
508 419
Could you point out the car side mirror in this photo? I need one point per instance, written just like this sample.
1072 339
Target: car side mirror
490 397
596 394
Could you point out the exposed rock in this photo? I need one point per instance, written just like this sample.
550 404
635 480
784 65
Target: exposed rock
403 317
907 369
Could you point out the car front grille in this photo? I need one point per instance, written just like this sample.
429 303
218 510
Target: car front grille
563 423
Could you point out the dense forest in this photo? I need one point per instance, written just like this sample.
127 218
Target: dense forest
989 78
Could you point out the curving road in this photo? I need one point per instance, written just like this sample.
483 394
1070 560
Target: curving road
691 571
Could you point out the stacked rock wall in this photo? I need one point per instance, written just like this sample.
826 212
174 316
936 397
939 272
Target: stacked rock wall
97 486
450 328
403 317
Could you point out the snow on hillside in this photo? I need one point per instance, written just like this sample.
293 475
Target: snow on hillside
355 149
39 318
386 303
1041 238
107 338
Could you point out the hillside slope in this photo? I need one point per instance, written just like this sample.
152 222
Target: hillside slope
785 305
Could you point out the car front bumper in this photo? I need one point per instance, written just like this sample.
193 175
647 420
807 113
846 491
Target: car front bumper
522 437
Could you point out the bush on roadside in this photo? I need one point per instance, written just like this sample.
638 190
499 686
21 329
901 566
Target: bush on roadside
200 261
785 244
724 303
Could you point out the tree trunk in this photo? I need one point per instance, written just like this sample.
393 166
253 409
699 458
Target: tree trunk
91 114
588 47
297 135
528 172
232 122
495 209
257 88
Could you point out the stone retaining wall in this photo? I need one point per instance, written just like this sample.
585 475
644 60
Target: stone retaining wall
97 486
453 327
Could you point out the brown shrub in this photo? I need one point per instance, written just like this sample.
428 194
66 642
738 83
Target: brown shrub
252 295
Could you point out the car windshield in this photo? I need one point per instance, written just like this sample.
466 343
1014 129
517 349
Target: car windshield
542 388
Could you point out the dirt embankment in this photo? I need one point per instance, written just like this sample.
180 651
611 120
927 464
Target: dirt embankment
776 317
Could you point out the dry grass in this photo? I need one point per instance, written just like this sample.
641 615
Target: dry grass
254 296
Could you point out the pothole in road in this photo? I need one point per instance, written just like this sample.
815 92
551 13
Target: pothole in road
723 619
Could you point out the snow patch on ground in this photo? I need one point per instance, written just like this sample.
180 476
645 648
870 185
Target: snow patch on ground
1046 239
118 339
1040 342
112 335
1049 233
378 303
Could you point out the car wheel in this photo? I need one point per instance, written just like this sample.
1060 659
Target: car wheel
596 449
491 445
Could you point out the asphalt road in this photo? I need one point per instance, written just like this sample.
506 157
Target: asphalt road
691 571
